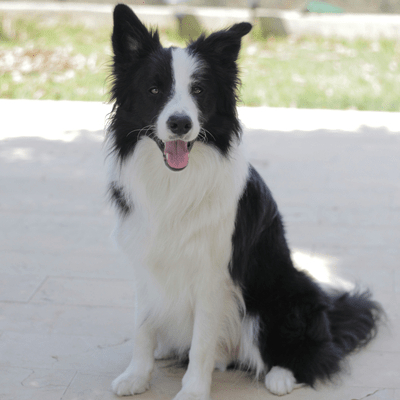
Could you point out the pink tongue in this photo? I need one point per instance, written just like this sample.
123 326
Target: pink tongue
178 154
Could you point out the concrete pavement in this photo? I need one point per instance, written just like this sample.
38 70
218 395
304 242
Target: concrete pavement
65 294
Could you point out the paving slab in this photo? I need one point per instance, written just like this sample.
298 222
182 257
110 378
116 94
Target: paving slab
19 288
85 292
66 303
28 384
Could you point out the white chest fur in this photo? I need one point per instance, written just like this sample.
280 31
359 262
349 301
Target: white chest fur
178 237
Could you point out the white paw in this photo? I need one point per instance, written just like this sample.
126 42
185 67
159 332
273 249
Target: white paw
128 384
186 395
280 381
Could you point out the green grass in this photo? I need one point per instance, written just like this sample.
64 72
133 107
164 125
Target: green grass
63 59
56 59
322 73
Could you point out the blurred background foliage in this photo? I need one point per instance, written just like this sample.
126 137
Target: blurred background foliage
61 57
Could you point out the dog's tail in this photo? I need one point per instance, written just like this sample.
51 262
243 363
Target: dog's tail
354 320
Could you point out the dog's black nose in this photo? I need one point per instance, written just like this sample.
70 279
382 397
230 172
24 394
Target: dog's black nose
180 124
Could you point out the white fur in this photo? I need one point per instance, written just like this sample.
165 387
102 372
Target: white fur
178 240
183 68
249 353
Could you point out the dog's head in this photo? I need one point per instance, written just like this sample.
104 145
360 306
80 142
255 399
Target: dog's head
175 96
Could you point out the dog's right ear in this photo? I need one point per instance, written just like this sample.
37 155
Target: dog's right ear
131 39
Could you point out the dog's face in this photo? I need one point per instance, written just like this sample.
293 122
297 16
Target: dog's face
175 96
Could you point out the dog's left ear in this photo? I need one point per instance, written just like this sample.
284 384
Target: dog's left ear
225 44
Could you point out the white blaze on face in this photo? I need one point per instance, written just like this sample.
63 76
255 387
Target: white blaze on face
181 103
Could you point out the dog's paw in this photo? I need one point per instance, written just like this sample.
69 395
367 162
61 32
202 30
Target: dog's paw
280 381
128 384
186 395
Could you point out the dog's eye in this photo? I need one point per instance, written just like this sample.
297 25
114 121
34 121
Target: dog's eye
197 90
154 90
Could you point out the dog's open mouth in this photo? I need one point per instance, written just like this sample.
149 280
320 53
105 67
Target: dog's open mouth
176 153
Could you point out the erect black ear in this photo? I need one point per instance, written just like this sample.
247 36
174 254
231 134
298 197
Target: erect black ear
130 38
225 44
241 29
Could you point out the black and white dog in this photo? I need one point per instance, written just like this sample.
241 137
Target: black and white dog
214 275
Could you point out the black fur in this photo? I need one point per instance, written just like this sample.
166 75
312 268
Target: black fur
119 199
219 53
302 328
139 63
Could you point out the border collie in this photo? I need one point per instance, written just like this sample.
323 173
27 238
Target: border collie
214 279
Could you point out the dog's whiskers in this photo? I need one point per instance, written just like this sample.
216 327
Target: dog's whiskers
203 136
145 131
206 131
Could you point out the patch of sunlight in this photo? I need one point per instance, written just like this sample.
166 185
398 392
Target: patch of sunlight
53 120
320 268
304 120
20 153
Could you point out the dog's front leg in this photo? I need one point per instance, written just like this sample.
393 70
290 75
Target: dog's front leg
136 378
196 383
